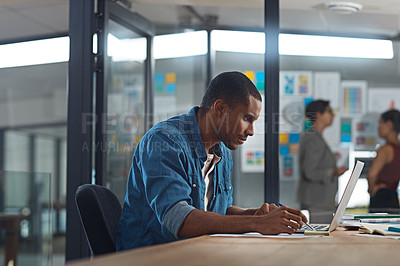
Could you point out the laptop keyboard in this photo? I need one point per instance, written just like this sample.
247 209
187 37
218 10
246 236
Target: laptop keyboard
318 227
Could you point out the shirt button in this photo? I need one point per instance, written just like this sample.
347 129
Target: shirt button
230 188
194 185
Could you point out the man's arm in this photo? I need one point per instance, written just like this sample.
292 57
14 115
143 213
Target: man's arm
264 209
280 220
234 210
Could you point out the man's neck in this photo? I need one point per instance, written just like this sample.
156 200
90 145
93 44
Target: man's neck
205 121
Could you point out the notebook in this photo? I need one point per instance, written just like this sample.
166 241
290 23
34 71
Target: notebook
342 203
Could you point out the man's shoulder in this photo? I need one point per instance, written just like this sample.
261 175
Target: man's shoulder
176 129
173 126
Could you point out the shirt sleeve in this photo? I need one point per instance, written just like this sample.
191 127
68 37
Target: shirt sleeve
165 178
175 217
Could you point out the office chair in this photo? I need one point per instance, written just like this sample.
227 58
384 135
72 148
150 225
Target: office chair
99 210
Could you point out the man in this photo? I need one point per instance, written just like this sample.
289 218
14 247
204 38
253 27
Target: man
179 183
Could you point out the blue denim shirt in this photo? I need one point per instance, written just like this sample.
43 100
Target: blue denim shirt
165 183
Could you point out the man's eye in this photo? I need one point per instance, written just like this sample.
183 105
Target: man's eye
248 118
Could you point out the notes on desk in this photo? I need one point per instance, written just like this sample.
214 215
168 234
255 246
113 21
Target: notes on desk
267 236
381 229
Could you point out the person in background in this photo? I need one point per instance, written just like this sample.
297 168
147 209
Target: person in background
318 172
179 183
384 173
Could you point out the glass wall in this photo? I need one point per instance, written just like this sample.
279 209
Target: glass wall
25 218
33 142
359 88
125 103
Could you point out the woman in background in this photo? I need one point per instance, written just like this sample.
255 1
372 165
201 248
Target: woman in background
318 172
384 174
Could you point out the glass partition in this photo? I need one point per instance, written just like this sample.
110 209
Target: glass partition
25 218
125 99
358 87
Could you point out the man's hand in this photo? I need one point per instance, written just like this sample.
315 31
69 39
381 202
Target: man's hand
265 208
280 220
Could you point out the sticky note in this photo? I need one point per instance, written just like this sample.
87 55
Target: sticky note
159 78
250 75
283 150
294 138
260 76
170 88
283 138
170 77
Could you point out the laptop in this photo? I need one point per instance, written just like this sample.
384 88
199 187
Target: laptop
342 204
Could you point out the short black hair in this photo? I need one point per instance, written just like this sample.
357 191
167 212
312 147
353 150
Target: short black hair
314 107
394 116
233 87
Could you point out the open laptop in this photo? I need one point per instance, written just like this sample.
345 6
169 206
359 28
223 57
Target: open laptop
342 204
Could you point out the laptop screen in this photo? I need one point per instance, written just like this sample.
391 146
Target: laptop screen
346 195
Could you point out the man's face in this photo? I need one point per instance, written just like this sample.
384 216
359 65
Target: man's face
239 123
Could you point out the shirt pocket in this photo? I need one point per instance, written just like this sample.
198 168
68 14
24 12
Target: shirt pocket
196 192
223 197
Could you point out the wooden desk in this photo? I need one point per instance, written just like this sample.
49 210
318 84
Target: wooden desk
10 223
340 248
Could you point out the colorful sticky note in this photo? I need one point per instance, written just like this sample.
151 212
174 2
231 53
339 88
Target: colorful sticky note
345 138
159 78
294 148
307 101
294 138
260 76
170 88
260 85
250 75
170 77
283 138
346 128
283 150
159 87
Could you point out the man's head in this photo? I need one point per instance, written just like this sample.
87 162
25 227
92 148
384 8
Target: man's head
233 103
233 87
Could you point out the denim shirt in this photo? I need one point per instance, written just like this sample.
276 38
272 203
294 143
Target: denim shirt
165 183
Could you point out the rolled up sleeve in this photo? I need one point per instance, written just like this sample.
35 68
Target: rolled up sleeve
175 217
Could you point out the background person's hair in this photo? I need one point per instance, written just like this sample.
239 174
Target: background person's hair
314 107
232 87
394 116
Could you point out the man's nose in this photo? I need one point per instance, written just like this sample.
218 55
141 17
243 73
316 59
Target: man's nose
250 130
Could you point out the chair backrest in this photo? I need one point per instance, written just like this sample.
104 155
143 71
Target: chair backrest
99 210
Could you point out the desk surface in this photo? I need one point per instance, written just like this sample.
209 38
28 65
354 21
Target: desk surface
340 248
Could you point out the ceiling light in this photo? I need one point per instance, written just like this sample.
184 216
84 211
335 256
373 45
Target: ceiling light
302 45
36 52
343 7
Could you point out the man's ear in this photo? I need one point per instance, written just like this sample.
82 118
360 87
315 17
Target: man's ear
220 107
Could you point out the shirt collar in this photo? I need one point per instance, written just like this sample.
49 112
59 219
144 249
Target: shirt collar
197 142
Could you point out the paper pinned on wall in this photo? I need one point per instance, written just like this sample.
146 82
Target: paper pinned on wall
383 99
295 83
353 97
326 87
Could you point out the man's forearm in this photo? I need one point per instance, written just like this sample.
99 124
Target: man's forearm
202 223
234 210
279 220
